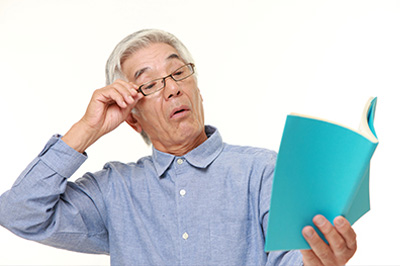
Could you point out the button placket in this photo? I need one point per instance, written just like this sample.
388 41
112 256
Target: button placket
181 171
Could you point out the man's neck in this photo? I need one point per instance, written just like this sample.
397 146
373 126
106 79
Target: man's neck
181 148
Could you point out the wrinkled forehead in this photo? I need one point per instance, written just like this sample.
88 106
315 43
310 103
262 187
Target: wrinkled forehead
151 58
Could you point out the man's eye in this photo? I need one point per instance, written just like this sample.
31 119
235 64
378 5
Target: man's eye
149 86
179 73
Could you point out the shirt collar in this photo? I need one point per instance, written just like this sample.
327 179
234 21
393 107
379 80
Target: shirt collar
200 157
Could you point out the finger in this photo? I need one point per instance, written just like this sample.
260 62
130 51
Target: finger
129 91
309 258
346 231
135 91
335 239
318 246
130 87
126 91
110 95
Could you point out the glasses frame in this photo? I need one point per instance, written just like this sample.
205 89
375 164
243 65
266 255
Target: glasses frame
164 78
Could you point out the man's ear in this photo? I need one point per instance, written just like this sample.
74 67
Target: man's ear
134 123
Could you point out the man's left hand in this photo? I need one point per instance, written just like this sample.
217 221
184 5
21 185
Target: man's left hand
341 238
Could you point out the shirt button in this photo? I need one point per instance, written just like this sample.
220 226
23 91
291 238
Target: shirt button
185 236
182 192
179 161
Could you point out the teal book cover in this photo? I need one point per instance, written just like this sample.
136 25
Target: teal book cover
322 168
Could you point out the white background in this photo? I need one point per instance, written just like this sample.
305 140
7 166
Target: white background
257 61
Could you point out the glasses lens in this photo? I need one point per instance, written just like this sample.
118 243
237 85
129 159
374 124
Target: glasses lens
157 84
152 86
183 72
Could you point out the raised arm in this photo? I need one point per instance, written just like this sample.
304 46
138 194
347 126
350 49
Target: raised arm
43 206
108 108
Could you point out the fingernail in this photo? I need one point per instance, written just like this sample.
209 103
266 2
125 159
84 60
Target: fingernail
308 232
339 222
319 220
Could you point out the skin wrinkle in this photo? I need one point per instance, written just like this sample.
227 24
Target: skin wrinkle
176 134
141 71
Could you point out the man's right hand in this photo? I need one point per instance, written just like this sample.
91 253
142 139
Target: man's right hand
108 108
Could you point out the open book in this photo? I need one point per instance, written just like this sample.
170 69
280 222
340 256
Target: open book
322 168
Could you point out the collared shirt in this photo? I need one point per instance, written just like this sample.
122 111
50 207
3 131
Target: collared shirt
208 207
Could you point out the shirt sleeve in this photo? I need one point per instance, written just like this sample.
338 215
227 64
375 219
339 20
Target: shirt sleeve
293 257
43 206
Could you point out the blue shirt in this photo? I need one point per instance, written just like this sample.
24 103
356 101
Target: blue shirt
208 207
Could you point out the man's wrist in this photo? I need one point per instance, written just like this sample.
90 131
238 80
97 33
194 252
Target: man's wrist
80 137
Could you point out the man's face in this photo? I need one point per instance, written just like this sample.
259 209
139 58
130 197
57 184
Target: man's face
173 118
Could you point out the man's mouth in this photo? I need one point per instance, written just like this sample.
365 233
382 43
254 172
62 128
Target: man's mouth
178 112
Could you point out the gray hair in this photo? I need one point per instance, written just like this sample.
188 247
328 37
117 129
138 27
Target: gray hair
134 42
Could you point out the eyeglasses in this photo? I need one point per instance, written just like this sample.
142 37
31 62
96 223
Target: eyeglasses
158 84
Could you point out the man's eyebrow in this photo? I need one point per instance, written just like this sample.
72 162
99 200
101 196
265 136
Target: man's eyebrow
141 71
173 56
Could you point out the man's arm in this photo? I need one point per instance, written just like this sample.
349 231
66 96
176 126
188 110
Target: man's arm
108 108
43 206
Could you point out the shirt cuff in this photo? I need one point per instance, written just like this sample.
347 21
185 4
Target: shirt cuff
61 158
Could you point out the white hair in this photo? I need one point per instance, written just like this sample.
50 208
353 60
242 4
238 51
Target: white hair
135 42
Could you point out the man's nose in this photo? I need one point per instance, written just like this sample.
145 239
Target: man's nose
171 88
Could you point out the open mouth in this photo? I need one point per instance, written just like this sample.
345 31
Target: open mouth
179 111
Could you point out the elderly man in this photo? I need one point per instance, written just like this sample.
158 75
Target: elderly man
195 201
